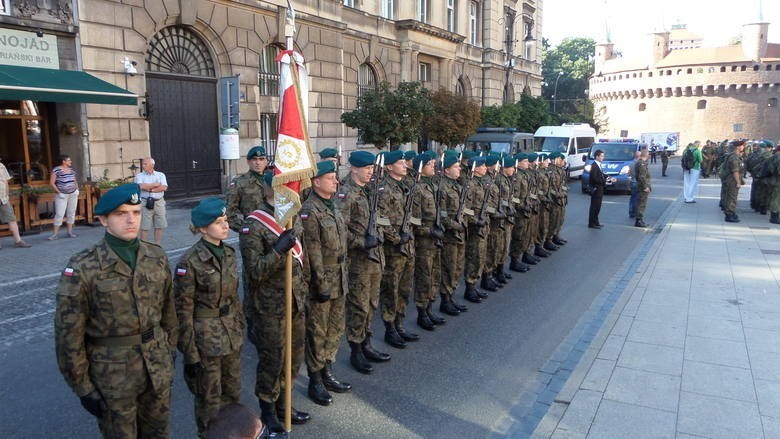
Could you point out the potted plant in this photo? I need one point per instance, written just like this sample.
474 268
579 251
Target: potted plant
70 128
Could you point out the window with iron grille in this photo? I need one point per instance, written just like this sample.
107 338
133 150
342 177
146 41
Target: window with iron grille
451 16
180 51
366 79
268 123
268 73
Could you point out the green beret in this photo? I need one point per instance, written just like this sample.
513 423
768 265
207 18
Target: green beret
256 151
360 159
393 156
469 154
450 160
768 143
477 161
509 162
521 156
207 211
454 152
329 153
125 194
423 157
410 155
491 159
532 157
325 167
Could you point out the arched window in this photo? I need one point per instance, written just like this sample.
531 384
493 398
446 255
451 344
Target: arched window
460 87
702 104
268 71
366 79
642 106
179 50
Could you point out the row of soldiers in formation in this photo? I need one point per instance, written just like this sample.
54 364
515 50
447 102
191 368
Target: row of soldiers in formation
392 228
762 160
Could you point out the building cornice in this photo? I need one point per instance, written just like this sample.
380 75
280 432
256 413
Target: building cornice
430 30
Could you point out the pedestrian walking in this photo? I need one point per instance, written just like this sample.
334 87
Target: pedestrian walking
597 182
153 186
63 180
7 215
115 326
211 322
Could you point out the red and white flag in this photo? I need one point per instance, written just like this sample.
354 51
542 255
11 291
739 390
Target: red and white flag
294 163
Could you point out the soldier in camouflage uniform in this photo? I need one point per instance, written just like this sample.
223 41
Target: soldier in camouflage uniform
773 170
264 245
399 254
505 182
643 187
454 247
520 199
665 153
115 325
247 191
562 199
535 203
709 155
366 260
428 242
554 197
496 240
211 322
477 199
325 242
731 174
761 188
545 200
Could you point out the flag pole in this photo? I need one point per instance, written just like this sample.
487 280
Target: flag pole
289 31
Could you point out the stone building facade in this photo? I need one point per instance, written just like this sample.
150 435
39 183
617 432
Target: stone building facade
182 47
704 93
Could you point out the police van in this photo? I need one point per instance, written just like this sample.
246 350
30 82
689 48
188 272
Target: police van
572 139
502 140
618 156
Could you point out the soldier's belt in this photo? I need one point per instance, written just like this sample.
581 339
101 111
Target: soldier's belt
333 261
211 313
127 340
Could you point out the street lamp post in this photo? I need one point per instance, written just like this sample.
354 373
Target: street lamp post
555 91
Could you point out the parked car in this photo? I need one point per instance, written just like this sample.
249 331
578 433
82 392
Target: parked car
618 156
572 139
503 140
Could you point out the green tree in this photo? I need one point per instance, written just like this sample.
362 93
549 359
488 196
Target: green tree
574 58
452 118
528 114
390 117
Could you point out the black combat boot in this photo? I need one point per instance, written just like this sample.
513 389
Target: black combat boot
640 223
423 320
498 276
392 337
762 210
529 259
518 266
447 306
436 320
268 416
540 252
317 391
461 308
471 294
505 273
487 283
774 217
334 385
297 417
406 335
357 359
372 354
557 240
548 245
732 218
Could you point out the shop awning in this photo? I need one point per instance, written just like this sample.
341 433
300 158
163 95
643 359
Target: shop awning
31 83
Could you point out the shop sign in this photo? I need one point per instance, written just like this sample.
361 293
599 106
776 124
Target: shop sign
20 48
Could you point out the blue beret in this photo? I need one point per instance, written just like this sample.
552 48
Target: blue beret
360 159
509 162
423 157
207 211
532 157
393 156
325 167
410 155
520 156
491 159
450 159
477 161
256 151
125 194
329 153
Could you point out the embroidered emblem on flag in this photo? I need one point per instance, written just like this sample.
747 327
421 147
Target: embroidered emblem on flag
68 272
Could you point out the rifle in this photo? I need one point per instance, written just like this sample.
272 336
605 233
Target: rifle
483 211
437 218
371 227
501 209
408 211
462 202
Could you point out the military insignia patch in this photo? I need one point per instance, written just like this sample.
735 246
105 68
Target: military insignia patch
304 216
245 231
68 272
224 210
181 271
232 183
134 199
341 196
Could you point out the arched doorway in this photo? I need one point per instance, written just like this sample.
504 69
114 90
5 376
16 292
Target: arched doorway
183 120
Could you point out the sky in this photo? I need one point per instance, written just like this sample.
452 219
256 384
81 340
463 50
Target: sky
630 21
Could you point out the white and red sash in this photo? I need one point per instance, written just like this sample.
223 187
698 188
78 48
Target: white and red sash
270 223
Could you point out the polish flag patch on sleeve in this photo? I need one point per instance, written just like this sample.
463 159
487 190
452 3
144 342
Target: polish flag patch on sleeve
341 196
181 271
304 216
245 231
69 272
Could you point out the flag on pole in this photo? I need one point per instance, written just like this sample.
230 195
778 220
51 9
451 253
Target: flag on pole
294 163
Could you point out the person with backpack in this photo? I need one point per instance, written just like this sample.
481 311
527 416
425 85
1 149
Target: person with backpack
691 164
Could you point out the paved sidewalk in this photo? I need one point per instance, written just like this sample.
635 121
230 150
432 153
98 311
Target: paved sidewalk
692 349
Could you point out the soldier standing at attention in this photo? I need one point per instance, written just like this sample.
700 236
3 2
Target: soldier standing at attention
453 251
428 241
325 242
211 323
399 254
115 325
643 187
411 171
518 245
477 233
545 206
563 198
366 260
264 245
774 181
246 192
504 181
664 160
731 178
497 218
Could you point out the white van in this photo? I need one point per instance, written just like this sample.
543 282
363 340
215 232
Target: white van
572 139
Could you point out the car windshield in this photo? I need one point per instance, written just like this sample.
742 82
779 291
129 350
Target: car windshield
500 147
555 144
615 152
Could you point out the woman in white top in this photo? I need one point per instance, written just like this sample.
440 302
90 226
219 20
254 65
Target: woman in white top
63 180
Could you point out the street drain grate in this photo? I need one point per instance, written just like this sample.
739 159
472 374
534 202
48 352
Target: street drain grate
759 227
770 252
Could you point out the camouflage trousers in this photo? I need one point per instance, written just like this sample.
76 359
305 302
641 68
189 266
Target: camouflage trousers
532 231
729 191
543 225
556 220
324 329
641 204
142 415
218 385
427 270
496 244
452 265
518 240
268 337
396 283
763 192
365 278
476 253
774 196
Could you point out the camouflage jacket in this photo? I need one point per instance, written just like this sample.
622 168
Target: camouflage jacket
520 194
325 246
353 202
543 186
506 190
642 175
393 203
450 202
424 206
493 190
245 194
211 321
475 196
733 163
264 268
99 297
